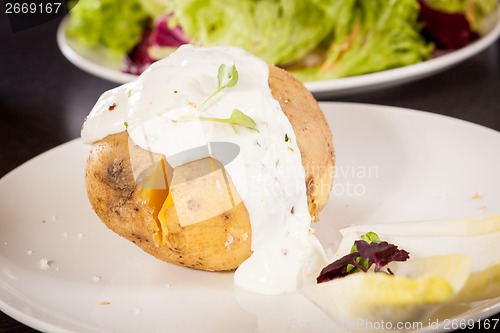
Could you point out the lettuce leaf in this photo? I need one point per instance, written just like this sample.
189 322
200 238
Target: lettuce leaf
118 25
370 36
278 31
155 44
155 8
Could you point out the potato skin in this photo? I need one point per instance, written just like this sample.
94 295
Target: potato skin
314 137
222 242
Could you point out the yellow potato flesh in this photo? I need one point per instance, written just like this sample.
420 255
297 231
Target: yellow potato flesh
155 191
177 205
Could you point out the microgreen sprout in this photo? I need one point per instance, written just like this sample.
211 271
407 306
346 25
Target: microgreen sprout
227 77
237 118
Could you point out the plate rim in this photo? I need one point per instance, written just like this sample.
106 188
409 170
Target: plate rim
40 324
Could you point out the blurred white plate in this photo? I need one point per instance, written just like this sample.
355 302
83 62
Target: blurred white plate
99 63
393 165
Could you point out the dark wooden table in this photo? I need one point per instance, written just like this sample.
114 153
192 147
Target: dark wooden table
44 99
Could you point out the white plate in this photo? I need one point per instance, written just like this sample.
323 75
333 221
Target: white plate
393 165
98 63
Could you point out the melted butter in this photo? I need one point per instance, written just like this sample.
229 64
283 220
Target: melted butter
267 173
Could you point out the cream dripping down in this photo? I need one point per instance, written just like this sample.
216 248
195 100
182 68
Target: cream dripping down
267 173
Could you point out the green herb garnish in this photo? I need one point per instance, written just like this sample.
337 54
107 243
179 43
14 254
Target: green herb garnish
126 124
227 77
237 118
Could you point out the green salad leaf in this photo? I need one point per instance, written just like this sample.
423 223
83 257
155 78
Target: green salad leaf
449 6
370 36
278 31
155 8
118 25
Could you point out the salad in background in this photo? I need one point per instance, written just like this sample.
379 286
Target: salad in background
314 39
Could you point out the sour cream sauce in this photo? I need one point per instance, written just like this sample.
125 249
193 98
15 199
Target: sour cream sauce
155 110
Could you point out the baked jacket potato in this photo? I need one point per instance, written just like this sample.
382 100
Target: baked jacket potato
148 217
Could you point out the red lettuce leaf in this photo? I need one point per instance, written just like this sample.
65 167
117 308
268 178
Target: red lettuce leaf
163 35
449 31
139 59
